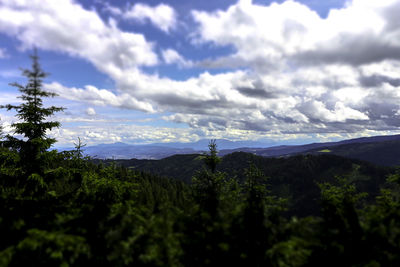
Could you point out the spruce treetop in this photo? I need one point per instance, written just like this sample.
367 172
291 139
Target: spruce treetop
33 124
31 112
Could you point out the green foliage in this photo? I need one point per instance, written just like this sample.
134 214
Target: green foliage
142 237
49 249
382 223
293 252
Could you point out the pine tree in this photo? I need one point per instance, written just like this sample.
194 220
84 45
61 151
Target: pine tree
33 125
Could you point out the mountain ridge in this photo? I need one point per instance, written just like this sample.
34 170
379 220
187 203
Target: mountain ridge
162 150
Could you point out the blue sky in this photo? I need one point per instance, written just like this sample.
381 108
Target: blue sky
167 71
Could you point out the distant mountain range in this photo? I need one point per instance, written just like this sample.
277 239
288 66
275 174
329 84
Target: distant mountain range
162 150
383 150
126 151
202 145
278 151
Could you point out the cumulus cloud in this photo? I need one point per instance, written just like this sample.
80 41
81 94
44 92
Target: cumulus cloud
161 16
171 56
66 26
267 36
317 110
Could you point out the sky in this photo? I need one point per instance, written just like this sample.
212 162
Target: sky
148 71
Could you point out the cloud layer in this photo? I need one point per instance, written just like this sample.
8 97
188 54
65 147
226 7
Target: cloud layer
290 72
265 35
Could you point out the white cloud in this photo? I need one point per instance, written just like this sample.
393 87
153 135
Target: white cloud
100 97
274 103
67 27
340 113
95 133
162 16
171 56
111 9
267 37
5 124
90 111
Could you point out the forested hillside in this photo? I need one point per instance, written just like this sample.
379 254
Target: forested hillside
294 178
379 150
58 208
385 153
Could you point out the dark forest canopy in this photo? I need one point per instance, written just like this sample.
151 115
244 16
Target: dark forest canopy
62 209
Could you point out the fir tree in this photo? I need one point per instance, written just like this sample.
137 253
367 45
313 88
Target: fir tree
33 125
